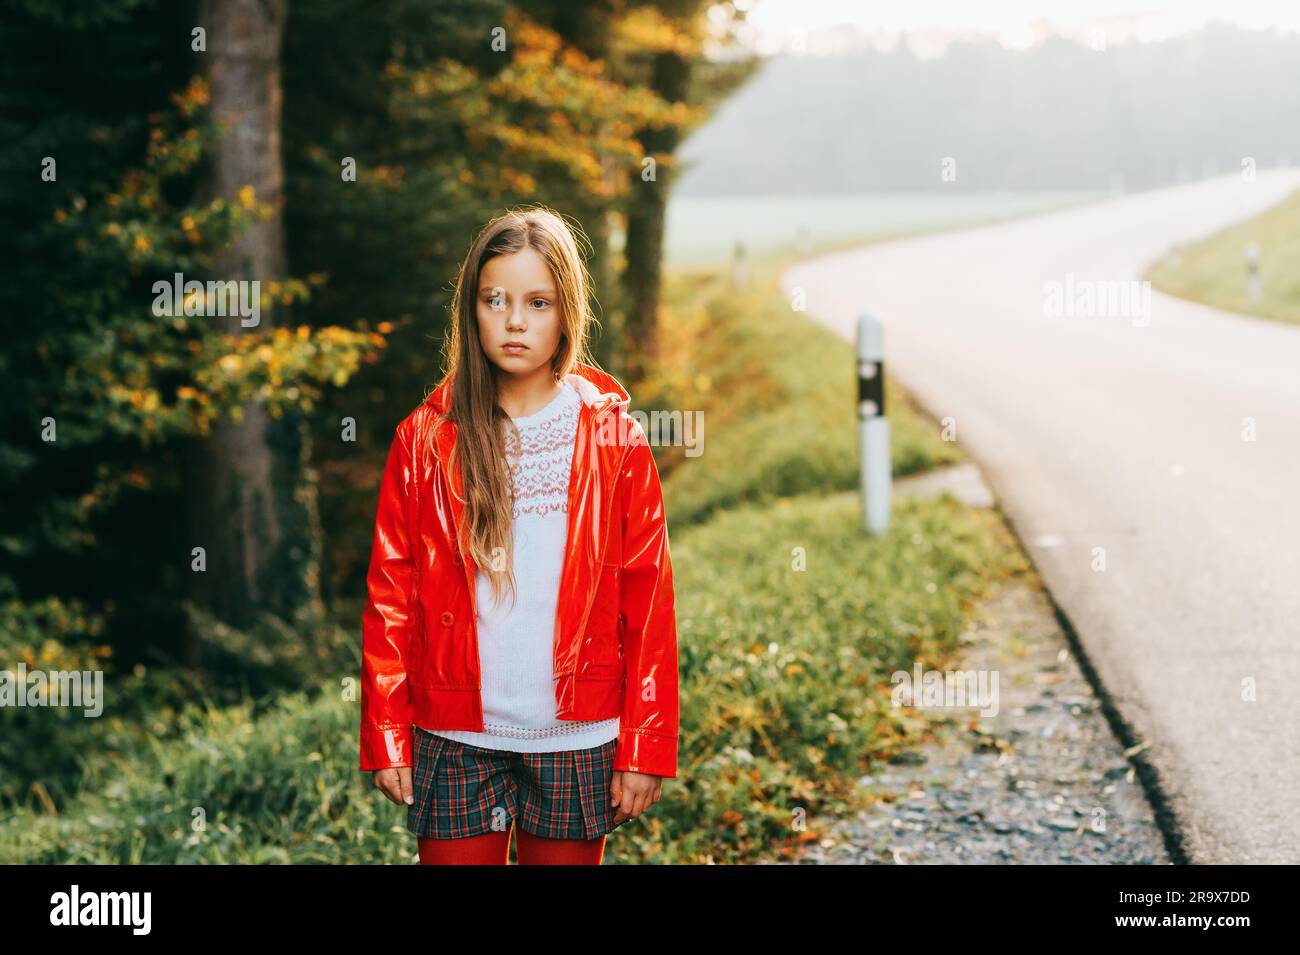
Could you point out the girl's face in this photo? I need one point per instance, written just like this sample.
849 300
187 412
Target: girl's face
518 303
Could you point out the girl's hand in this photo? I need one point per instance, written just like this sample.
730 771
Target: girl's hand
633 793
395 784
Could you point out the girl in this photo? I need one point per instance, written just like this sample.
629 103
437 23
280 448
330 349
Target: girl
519 639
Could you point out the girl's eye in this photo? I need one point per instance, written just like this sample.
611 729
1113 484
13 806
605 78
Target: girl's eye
543 301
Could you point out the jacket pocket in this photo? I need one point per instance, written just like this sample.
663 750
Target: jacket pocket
446 653
602 642
419 643
609 666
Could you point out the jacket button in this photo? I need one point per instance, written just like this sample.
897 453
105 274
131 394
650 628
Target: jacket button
447 618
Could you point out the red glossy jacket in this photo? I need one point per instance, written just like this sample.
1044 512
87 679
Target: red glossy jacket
615 621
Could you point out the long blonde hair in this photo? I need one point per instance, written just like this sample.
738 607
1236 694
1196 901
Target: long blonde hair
481 424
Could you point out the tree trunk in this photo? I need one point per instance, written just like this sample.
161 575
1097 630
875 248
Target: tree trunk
645 225
587 26
252 502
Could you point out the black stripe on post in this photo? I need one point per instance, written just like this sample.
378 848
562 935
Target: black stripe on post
872 387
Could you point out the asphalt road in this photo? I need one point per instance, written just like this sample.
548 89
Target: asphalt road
1123 434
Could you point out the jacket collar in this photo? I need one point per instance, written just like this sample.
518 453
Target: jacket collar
599 390
591 480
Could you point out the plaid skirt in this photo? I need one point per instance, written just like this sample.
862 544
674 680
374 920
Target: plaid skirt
463 790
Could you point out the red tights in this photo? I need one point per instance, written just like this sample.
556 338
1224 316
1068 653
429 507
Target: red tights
493 848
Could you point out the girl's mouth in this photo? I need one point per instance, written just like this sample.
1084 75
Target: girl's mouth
515 349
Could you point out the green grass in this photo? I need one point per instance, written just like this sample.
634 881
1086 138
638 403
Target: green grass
784 702
785 671
231 788
1213 270
791 621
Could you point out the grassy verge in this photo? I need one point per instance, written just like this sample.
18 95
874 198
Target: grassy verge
1213 270
778 396
791 621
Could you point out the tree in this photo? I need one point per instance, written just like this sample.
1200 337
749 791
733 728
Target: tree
675 43
251 497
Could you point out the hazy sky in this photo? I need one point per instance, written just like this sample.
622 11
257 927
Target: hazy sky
785 25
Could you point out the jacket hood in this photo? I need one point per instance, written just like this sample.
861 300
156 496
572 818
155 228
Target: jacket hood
597 388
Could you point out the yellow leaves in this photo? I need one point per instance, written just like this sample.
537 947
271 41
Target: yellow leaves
387 175
187 223
247 197
141 243
385 328
194 95
421 84
281 369
577 62
520 182
532 37
646 30
145 400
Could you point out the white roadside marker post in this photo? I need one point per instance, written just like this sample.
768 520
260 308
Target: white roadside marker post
873 426
1254 285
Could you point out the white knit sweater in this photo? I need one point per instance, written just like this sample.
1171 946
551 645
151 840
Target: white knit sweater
515 644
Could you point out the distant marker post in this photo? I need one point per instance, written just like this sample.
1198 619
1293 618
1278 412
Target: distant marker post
1254 285
873 426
